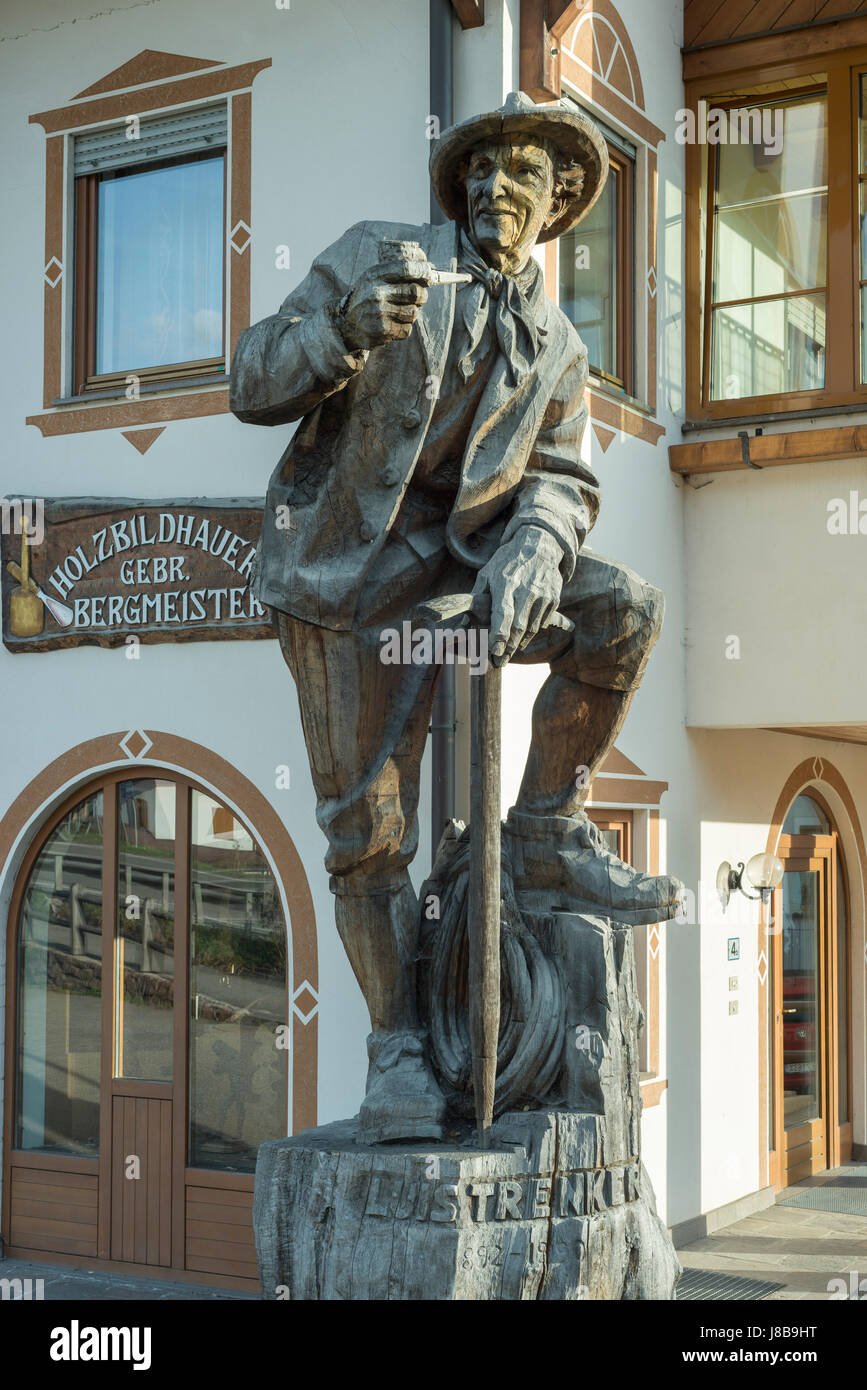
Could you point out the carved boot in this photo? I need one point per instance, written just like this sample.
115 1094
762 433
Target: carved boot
403 1100
563 862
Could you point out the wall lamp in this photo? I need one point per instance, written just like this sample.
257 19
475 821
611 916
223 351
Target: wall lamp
764 871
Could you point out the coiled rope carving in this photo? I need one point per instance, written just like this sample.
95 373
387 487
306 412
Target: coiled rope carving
529 1051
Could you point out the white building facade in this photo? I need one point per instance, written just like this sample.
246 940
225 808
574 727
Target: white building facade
157 816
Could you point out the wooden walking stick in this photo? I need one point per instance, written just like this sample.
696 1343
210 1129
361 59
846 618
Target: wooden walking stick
483 923
483 918
484 892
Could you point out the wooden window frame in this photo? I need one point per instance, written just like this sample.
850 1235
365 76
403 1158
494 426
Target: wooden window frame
843 386
550 70
623 382
625 272
84 312
621 821
157 85
734 104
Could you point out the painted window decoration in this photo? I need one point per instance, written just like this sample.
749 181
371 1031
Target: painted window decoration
596 272
237 991
150 250
60 990
768 253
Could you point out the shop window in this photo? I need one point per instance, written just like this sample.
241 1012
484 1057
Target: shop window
150 243
596 272
198 952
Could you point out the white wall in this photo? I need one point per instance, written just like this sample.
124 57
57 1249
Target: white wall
765 570
738 777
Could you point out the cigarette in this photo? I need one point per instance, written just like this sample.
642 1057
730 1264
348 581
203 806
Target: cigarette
449 277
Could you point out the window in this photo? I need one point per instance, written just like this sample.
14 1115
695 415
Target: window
60 989
195 972
237 992
777 252
768 251
615 828
150 250
596 259
862 213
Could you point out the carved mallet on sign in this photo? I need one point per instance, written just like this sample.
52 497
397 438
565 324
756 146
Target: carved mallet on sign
483 922
26 602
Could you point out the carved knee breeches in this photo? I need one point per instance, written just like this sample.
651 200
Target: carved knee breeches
365 725
366 722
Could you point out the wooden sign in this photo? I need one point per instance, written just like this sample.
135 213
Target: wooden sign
105 571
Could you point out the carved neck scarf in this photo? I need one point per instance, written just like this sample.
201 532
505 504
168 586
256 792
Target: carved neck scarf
517 299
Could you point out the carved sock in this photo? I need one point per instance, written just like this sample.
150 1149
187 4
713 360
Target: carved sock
379 933
574 728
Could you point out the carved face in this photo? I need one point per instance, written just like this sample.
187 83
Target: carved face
510 191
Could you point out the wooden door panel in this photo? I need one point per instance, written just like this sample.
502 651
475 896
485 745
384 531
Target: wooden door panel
141 1207
219 1231
53 1211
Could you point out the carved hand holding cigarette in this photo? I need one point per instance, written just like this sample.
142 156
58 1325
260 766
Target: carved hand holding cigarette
385 302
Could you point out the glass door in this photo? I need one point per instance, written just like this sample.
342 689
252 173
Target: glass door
150 1018
810 1125
802 1017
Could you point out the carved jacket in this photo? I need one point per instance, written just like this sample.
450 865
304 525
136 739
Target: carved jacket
337 489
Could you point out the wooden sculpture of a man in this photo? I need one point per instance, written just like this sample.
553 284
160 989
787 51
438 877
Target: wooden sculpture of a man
439 452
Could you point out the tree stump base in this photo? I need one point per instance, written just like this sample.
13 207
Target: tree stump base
543 1214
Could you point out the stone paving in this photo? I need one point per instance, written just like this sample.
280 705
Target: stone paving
82 1285
794 1246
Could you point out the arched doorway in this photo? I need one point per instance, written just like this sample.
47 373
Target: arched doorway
147 1032
809 1015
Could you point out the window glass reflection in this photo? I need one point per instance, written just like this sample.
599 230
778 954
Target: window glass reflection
588 278
60 990
801 982
238 992
160 266
806 817
770 240
144 997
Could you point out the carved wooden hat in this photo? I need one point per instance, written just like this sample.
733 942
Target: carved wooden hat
577 141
